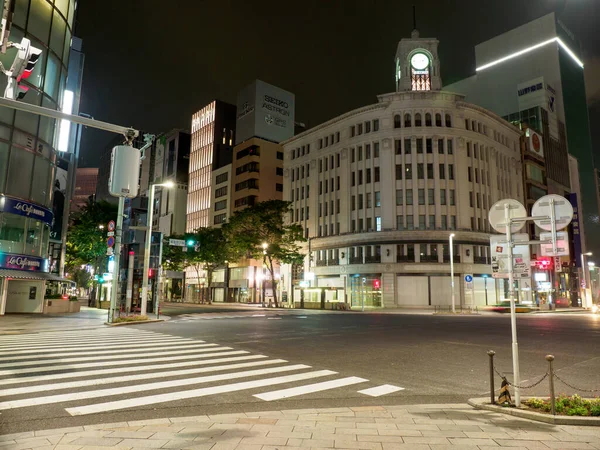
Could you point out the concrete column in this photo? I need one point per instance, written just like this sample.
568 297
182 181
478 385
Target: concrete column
3 294
129 281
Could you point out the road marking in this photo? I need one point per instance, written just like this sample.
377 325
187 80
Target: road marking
301 317
103 343
117 363
378 391
132 353
144 387
153 348
75 335
137 377
273 318
195 393
98 372
309 388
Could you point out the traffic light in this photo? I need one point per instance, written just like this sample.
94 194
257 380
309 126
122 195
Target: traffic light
376 283
544 263
21 68
190 243
100 280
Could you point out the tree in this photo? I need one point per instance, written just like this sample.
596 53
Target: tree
206 251
86 242
261 232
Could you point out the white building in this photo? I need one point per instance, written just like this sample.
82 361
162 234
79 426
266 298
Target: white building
379 190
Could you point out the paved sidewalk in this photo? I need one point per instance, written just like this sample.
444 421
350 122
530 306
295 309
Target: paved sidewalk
455 426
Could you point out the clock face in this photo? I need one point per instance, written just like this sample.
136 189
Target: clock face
419 61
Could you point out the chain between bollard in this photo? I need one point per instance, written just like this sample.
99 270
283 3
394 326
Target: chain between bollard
521 387
573 387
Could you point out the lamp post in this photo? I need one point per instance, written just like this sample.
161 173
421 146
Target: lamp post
591 266
452 271
585 276
264 246
148 243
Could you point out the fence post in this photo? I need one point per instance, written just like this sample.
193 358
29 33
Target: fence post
550 358
491 354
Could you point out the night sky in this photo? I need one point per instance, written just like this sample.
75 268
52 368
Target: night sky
150 64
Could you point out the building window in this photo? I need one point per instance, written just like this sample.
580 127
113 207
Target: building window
466 124
408 171
438 120
367 127
419 146
431 222
476 176
252 183
431 196
451 171
409 197
429 145
369 205
279 187
468 149
398 171
337 136
444 222
450 149
337 183
367 151
421 195
376 125
398 145
376 174
452 199
223 178
442 197
448 121
360 201
353 203
399 197
360 177
453 222
421 221
376 150
442 172
353 155
368 174
378 223
427 120
430 171
471 199
221 192
417 120
470 174
352 131
399 223
478 200
360 152
407 146
410 225
377 199
279 171
220 218
397 121
420 171
359 128
407 120
337 206
441 146
353 178
220 205
337 160
280 155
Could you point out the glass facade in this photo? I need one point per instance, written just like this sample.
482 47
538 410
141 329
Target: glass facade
27 156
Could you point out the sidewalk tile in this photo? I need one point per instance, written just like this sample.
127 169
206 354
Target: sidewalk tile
96 434
487 435
561 445
531 435
312 443
531 445
257 421
396 446
300 411
326 436
425 440
356 431
407 419
467 441
130 434
4 444
455 447
358 445
581 437
210 446
434 421
249 447
230 426
444 433
289 435
174 436
149 422
334 410
13 436
100 447
402 432
264 441
189 419
274 447
66 447
377 426
356 420
58 431
217 417
148 443
368 408
267 428
29 443
369 438
98 441
104 426
297 423
377 414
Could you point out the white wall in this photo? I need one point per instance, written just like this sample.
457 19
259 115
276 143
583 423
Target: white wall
413 291
441 290
18 301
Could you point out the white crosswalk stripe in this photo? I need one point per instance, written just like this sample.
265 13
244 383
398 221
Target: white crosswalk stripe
105 370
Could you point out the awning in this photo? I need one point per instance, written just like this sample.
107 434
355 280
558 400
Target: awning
27 275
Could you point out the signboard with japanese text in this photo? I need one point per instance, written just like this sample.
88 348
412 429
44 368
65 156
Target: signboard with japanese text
575 224
521 257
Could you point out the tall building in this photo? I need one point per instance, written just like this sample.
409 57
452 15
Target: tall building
533 74
210 149
28 156
85 186
380 189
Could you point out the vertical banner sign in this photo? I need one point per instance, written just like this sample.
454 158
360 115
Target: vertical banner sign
59 196
576 232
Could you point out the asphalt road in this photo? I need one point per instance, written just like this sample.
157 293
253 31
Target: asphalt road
434 359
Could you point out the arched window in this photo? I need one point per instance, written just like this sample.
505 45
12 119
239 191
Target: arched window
417 120
427 120
397 121
407 120
438 120
448 120
466 124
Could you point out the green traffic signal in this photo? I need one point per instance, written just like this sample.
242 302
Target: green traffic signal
100 280
190 242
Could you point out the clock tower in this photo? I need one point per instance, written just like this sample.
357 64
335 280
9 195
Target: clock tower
417 64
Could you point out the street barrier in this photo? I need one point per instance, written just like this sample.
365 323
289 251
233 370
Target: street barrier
504 395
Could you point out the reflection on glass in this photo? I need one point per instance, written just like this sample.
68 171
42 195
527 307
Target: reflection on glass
12 229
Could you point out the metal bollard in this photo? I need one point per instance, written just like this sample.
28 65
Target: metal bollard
491 354
550 358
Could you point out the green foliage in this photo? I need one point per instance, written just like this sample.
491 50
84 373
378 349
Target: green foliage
131 319
86 243
573 405
595 409
265 223
578 411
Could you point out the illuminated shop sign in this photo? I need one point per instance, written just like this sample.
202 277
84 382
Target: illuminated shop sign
16 206
23 262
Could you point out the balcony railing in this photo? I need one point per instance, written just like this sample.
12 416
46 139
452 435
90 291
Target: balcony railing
429 258
447 258
321 262
356 259
333 262
481 260
405 258
373 259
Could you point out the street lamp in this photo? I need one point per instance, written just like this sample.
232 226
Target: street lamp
262 283
168 184
585 275
452 271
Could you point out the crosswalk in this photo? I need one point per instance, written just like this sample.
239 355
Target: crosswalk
241 315
103 370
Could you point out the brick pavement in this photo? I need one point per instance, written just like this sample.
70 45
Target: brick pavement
431 427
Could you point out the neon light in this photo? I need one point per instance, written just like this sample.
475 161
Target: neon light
530 49
65 125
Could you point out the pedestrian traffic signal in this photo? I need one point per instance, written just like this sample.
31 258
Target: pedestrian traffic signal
544 263
190 243
100 280
21 69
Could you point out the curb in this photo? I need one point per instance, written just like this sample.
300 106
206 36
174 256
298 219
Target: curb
133 323
483 403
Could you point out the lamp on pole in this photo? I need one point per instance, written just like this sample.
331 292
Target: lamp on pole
168 184
452 271
264 247
585 277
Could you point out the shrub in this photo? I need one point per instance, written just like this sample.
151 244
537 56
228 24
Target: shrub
595 409
577 411
131 319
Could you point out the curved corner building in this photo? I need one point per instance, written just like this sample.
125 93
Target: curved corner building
379 190
27 153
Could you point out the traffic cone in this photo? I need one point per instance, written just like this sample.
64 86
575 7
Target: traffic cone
504 396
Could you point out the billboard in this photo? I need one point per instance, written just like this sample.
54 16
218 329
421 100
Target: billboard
264 111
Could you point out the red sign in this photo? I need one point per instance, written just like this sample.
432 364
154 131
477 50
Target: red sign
111 225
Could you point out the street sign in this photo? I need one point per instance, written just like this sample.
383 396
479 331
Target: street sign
111 225
469 282
497 215
110 233
177 242
521 257
110 241
557 264
304 284
562 244
563 212
109 251
468 278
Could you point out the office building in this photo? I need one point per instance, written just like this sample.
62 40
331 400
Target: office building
85 187
379 190
30 200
